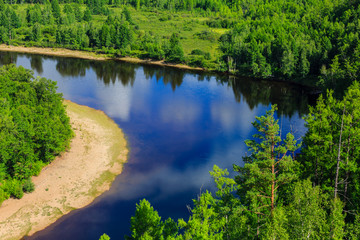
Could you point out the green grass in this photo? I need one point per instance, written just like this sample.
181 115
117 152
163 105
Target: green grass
105 177
164 23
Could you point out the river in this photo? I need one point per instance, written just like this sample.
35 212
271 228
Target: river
178 125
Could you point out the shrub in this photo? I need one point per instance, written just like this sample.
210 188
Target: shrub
17 191
3 195
28 186
196 61
207 56
13 188
163 18
206 35
36 167
197 52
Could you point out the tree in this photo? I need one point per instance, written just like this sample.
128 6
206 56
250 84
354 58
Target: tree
268 169
124 35
270 204
87 15
174 52
353 229
105 36
288 63
104 237
56 9
146 224
36 32
276 226
331 156
203 222
336 219
34 128
126 14
47 14
306 213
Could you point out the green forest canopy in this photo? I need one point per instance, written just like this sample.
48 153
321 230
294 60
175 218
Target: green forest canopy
34 128
317 40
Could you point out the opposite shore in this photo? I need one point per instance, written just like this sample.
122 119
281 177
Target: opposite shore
74 179
63 52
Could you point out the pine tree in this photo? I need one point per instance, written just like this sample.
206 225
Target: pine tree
269 167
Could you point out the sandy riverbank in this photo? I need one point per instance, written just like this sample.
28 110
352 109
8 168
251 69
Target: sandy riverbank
62 52
72 180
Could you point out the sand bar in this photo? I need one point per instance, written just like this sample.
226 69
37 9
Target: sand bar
72 180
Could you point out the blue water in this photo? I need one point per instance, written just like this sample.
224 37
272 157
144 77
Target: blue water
178 125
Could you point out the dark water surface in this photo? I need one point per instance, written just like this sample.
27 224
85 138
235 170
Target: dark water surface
178 125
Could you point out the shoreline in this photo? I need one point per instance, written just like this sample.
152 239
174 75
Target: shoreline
74 179
63 52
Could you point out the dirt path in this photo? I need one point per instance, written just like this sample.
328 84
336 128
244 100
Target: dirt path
72 180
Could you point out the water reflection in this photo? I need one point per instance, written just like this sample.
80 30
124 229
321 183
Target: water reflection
178 124
7 58
174 78
69 67
108 72
289 98
36 63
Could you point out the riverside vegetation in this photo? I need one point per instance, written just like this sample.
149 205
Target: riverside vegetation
281 191
295 40
34 128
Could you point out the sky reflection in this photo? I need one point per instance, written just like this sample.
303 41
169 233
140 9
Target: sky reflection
178 124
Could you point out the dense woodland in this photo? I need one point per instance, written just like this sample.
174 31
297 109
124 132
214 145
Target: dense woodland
316 40
34 128
283 188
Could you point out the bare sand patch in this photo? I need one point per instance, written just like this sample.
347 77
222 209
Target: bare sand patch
74 179
61 52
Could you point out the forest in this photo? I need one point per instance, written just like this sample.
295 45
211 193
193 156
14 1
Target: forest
311 42
284 189
34 128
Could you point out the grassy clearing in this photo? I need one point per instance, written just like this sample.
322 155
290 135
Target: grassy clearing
164 23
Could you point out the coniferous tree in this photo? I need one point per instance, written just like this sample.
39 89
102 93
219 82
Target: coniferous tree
56 10
268 168
174 51
36 32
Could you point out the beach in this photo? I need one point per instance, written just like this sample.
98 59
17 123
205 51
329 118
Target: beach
74 179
